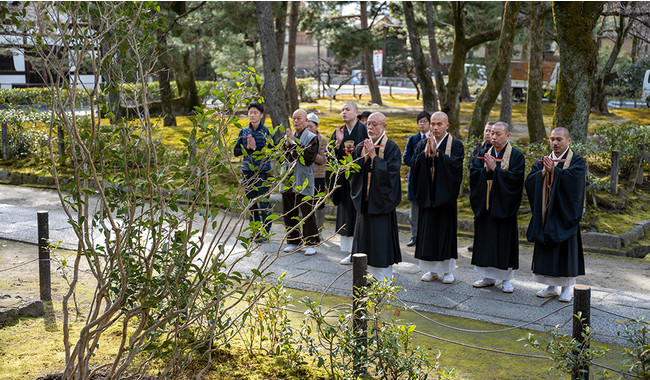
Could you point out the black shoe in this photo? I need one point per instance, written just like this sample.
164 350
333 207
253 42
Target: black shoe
470 248
411 242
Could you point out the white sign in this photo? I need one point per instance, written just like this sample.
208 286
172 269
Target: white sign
377 61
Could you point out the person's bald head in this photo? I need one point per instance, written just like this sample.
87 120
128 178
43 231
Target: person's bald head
439 124
560 140
376 124
299 120
349 113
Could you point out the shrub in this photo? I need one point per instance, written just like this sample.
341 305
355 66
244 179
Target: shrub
625 138
637 333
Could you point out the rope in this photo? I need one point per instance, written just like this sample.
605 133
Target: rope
479 331
18 266
332 283
609 312
611 369
483 348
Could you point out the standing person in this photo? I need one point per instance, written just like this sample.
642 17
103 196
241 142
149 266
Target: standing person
255 167
302 148
376 192
496 185
437 174
556 192
423 121
363 117
480 148
345 139
320 166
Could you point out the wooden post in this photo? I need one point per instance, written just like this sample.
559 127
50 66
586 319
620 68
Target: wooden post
390 89
639 170
613 176
5 142
581 307
44 255
359 322
354 90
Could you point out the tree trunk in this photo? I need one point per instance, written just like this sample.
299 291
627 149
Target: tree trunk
502 66
424 77
433 47
373 86
505 114
462 45
185 80
292 90
534 113
273 91
169 119
465 94
166 95
280 28
601 79
574 23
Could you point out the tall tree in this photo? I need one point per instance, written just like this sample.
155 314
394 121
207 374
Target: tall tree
422 72
622 26
280 14
373 86
489 96
292 90
505 113
574 25
433 50
273 89
534 113
186 60
462 45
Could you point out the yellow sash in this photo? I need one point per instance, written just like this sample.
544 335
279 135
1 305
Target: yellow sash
447 152
505 165
548 184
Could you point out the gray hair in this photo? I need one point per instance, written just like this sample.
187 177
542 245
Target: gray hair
503 124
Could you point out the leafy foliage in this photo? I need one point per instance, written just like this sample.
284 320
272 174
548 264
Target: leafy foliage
637 334
629 82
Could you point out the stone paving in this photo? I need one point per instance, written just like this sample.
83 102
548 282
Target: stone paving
18 208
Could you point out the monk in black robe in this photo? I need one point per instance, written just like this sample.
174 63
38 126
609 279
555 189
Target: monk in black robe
556 191
437 174
496 185
344 140
376 192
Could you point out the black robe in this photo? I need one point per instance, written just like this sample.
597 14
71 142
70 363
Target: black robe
375 232
558 246
345 212
496 235
437 219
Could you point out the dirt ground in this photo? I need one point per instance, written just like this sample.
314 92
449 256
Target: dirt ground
19 270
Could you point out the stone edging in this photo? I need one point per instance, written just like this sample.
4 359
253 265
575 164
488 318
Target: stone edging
592 241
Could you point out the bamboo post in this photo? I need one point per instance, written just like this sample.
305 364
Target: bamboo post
359 322
613 177
44 255
581 307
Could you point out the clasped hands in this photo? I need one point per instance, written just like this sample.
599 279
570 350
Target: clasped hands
250 142
431 148
368 150
548 165
490 162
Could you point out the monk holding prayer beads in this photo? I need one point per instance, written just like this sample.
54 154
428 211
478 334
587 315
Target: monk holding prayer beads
496 185
556 192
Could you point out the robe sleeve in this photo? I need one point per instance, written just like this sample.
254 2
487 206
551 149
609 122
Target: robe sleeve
477 186
507 187
565 205
385 187
448 174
